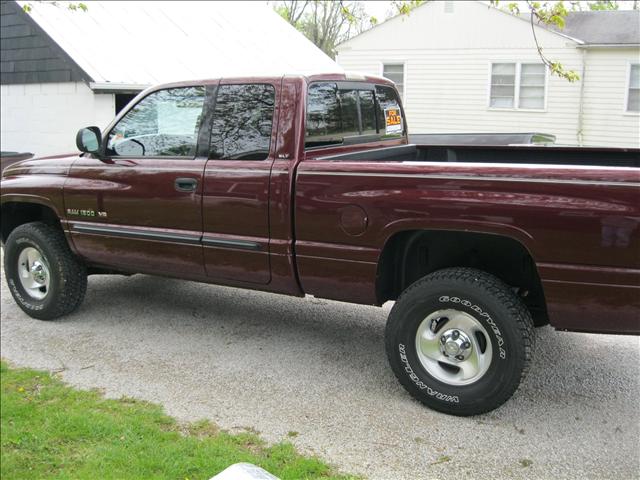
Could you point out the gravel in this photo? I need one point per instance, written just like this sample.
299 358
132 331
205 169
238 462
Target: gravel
251 360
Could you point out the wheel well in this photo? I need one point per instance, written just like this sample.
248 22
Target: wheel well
15 214
409 256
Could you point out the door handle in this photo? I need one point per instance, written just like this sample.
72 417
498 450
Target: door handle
186 184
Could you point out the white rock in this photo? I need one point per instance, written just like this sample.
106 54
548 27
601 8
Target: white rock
244 471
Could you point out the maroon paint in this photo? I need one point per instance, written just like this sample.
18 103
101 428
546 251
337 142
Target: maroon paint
584 238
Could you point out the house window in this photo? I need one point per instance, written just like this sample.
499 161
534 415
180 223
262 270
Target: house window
518 85
395 73
633 94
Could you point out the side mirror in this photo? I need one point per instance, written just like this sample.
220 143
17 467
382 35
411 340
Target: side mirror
88 140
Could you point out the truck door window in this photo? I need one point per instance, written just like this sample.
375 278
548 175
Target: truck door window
242 122
164 123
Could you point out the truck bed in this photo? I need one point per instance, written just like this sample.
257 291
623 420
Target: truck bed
508 154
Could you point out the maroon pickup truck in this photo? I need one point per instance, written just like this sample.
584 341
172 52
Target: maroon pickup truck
308 185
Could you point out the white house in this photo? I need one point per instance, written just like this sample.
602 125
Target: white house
62 70
469 67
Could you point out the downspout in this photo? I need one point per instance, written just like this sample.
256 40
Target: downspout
580 132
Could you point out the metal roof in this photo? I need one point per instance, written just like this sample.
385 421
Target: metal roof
608 27
145 43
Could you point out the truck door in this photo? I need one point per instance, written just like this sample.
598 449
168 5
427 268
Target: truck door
140 208
236 182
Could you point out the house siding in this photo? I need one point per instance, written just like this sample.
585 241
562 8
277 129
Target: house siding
43 118
606 121
448 75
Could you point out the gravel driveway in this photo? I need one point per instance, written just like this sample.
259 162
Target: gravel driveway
277 364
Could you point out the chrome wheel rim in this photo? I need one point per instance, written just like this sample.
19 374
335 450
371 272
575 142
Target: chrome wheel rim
33 272
454 347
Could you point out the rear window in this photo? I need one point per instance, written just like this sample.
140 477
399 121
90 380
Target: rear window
388 112
343 113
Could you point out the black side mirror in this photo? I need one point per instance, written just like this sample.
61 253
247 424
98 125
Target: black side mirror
89 139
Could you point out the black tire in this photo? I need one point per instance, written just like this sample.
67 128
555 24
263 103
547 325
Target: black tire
67 276
462 293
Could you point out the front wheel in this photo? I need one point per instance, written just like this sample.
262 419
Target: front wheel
460 341
44 277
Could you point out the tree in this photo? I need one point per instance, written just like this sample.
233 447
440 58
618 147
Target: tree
327 23
27 7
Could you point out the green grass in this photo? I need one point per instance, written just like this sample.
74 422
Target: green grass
50 430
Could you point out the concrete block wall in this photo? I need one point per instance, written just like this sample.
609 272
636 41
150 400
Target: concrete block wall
43 118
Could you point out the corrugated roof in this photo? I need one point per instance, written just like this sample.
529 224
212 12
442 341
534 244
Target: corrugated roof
144 43
608 27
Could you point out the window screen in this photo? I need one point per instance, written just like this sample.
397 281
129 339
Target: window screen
242 122
518 85
395 73
633 98
164 123
503 85
532 78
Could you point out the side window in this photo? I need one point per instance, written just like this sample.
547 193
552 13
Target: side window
324 120
336 115
389 114
242 122
368 112
348 100
164 123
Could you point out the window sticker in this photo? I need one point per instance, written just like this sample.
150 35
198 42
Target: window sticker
393 121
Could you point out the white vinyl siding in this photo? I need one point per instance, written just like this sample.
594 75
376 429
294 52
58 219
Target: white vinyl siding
633 93
606 89
395 73
447 75
517 85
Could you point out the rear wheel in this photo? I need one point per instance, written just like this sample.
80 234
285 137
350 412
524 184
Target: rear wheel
460 341
44 276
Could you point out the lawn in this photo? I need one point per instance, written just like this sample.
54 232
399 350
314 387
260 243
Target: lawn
50 430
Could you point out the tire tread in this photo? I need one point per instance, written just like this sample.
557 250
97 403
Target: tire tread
502 294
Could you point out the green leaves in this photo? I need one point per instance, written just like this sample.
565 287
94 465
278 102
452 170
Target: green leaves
405 7
551 14
28 7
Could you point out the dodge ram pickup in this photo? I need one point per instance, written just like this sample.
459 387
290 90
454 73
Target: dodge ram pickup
309 185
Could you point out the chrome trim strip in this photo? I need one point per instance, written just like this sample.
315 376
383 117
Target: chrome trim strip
184 238
108 167
471 177
366 150
132 233
237 170
242 244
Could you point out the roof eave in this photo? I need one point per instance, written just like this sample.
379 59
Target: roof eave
109 87
609 45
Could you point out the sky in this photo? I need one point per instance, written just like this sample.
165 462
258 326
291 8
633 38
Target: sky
379 9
